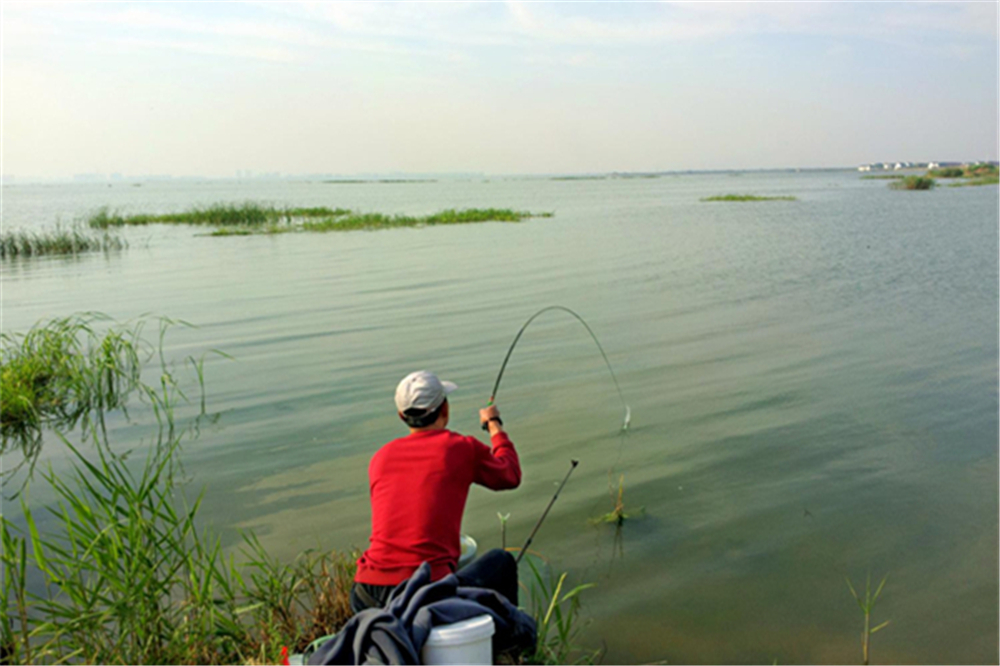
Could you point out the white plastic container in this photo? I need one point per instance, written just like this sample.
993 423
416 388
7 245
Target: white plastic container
469 548
466 642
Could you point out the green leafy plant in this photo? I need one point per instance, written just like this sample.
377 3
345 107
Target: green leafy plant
557 613
866 606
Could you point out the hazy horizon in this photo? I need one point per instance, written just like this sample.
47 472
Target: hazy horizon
212 89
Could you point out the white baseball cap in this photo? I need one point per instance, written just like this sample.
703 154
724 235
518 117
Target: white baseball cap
422 390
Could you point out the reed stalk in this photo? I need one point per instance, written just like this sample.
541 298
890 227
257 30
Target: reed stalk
866 607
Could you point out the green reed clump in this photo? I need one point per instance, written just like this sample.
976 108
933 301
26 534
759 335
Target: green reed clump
22 244
913 183
866 607
557 613
747 197
882 177
63 372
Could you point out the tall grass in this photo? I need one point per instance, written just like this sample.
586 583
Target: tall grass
129 577
20 244
556 609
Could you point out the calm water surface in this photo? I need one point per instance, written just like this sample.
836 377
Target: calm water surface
813 387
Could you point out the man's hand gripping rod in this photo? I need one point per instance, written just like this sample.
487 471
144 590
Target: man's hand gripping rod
524 549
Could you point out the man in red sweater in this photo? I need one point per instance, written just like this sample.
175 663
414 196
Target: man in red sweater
419 484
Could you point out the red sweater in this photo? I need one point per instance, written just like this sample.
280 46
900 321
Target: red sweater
419 485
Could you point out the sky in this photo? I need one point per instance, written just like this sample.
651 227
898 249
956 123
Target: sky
205 88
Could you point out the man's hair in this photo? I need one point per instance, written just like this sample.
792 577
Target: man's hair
421 418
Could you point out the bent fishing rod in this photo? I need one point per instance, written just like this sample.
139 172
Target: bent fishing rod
503 366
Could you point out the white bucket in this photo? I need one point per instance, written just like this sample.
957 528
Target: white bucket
466 642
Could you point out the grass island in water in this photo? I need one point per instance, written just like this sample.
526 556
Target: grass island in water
253 218
747 197
913 183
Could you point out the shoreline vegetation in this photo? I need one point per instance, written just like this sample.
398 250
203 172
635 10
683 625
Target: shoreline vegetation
252 218
747 197
969 175
117 569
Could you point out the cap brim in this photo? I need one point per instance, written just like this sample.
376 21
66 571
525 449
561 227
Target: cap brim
448 387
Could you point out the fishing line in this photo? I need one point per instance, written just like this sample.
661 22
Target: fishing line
627 418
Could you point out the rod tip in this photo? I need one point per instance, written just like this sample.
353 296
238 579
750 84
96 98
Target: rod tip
575 462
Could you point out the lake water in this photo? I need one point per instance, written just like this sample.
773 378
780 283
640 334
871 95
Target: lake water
813 387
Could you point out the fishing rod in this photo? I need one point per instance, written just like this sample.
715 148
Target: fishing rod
524 548
503 366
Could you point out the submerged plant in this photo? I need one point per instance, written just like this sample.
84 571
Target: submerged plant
866 607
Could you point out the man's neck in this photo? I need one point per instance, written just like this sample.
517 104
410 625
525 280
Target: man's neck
440 424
